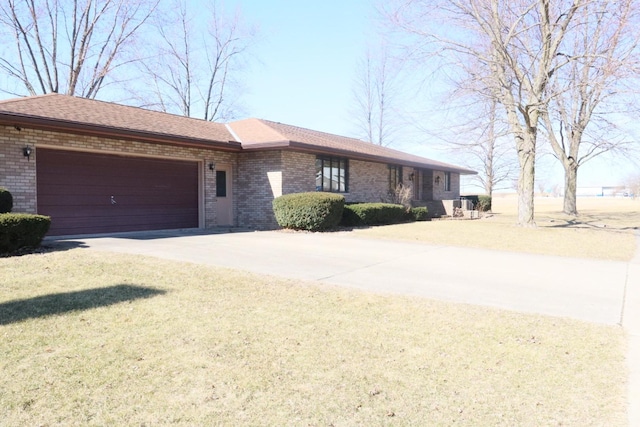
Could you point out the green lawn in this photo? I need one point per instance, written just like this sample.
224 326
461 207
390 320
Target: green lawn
92 338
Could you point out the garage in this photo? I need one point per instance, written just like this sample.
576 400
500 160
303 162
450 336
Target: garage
86 193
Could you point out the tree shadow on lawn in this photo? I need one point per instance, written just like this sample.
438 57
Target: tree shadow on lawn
598 224
49 305
614 221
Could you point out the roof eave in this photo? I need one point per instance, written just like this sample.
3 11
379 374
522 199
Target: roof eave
314 149
47 124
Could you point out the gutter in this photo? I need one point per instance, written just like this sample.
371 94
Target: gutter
314 149
27 121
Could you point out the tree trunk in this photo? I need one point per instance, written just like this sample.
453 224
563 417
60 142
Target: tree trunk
488 188
526 181
526 190
570 189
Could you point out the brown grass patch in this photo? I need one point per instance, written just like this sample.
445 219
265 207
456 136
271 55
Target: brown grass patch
604 229
195 345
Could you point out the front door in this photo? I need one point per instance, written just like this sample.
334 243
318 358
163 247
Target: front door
224 195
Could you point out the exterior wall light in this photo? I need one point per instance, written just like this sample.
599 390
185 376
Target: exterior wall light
437 180
212 166
26 151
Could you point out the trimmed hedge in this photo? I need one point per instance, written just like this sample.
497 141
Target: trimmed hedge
6 201
349 216
373 214
313 211
19 230
419 214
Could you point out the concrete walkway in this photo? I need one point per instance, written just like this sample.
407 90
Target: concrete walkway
605 292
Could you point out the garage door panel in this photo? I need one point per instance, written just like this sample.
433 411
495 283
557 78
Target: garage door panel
128 222
104 201
92 229
168 181
102 194
97 212
98 177
75 189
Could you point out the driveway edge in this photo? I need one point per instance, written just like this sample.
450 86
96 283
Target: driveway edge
631 325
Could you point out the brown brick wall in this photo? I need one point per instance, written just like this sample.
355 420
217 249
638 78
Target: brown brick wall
438 190
368 182
298 173
259 182
258 177
19 175
265 175
441 202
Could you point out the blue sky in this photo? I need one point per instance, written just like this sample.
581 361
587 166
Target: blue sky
307 63
307 56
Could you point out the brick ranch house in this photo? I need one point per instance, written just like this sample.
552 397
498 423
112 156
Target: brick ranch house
99 167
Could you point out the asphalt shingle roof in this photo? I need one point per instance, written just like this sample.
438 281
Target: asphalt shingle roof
261 134
72 110
81 115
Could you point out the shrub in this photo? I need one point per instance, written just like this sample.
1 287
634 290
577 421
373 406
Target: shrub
308 211
419 214
484 203
19 230
373 214
6 201
401 195
349 216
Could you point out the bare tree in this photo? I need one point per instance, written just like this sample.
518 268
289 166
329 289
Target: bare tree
604 51
476 129
481 139
373 96
516 43
489 151
68 46
542 186
194 71
479 136
633 184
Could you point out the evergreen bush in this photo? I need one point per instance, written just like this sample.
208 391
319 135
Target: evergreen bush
6 201
373 214
20 231
313 211
419 213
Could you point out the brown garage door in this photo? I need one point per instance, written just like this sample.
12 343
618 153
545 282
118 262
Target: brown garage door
97 193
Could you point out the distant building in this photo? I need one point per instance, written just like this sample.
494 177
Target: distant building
589 192
617 191
607 191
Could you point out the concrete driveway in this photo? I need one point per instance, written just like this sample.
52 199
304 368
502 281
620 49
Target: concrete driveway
605 292
583 289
